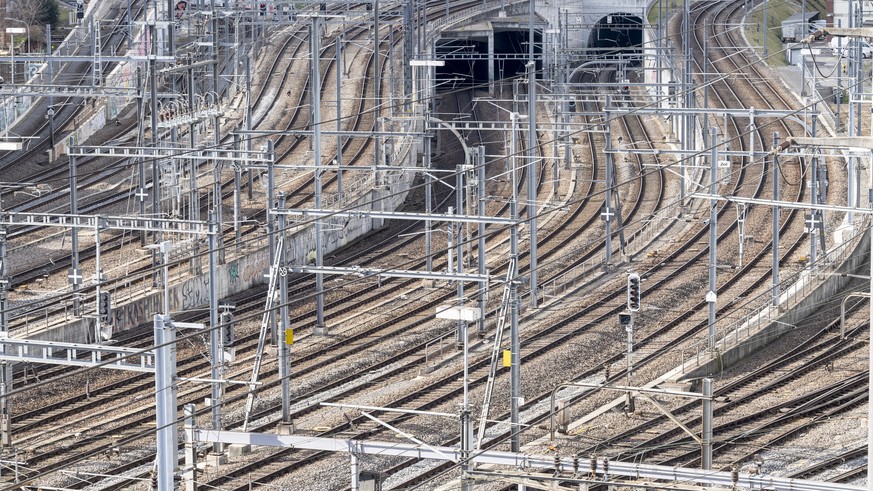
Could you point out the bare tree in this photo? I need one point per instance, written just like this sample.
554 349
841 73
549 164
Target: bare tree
28 11
32 14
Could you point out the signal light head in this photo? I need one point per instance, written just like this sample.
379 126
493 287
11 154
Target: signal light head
634 292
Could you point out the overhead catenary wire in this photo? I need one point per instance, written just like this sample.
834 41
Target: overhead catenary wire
547 211
618 183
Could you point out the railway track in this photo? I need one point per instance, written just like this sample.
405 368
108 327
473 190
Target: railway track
541 345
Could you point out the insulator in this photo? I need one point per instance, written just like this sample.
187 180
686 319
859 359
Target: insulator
593 464
735 475
557 463
605 466
575 464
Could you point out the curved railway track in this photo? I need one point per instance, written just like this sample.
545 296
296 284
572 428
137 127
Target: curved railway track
572 329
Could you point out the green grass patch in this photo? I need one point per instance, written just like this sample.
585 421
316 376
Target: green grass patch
657 9
816 6
777 11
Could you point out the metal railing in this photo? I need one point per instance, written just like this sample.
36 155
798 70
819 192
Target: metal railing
429 352
802 284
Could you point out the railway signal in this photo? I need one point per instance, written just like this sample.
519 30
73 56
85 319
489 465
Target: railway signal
225 319
104 306
625 320
633 292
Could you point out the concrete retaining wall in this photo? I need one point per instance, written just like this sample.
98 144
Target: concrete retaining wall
800 308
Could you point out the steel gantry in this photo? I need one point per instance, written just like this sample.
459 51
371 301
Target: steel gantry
576 469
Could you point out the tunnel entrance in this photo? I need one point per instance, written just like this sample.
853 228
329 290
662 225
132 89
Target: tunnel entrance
467 58
617 36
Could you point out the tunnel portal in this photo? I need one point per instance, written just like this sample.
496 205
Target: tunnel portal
466 56
617 35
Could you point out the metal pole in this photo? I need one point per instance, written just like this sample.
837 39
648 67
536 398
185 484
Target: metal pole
50 65
216 133
12 54
706 445
764 29
75 275
141 193
423 29
428 193
284 349
839 84
466 425
532 169
870 355
805 28
480 172
215 352
556 135
466 443
156 170
98 270
776 213
515 352
859 68
5 368
129 23
315 75
164 248
607 195
356 483
659 47
532 149
391 80
249 123
165 394
870 376
271 231
237 198
377 79
193 195
688 120
705 63
459 247
630 361
339 123
189 477
408 39
450 248
813 214
713 233
51 117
